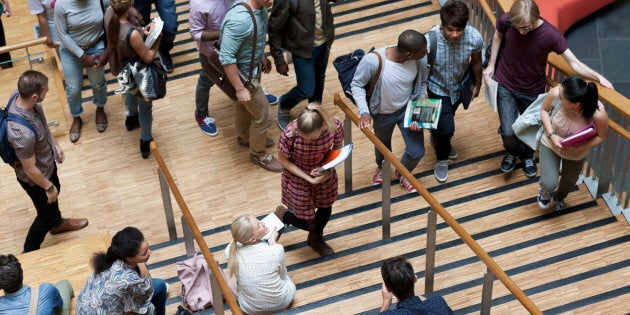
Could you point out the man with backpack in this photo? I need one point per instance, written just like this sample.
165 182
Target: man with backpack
454 48
401 74
37 153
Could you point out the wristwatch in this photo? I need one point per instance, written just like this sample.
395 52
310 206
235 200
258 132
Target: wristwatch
551 134
50 189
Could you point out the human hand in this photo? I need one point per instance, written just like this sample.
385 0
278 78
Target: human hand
266 65
61 156
387 298
556 141
148 27
319 179
605 83
487 74
272 237
88 60
319 172
283 69
475 91
52 195
414 126
243 95
366 122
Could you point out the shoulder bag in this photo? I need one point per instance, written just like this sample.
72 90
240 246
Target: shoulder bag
216 72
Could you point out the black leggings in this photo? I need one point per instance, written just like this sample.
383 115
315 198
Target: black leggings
322 216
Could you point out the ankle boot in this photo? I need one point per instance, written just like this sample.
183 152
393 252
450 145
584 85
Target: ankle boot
316 241
145 149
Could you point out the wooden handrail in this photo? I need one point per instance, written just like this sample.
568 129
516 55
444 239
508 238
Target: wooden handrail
26 44
214 268
446 216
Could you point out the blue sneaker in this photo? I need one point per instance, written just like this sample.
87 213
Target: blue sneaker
273 100
207 125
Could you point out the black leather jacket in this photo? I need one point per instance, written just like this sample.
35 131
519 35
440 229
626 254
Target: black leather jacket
292 27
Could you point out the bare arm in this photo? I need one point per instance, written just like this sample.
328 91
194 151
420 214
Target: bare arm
43 25
496 44
137 43
583 70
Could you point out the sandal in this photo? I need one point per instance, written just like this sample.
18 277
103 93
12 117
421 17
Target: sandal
100 119
75 129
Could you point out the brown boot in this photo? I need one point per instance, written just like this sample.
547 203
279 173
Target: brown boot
68 225
316 241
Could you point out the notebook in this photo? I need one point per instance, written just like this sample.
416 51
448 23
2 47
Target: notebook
580 136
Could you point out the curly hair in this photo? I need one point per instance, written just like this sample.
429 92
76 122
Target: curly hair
11 274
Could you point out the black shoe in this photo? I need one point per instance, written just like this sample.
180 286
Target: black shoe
167 62
145 149
508 163
132 122
529 167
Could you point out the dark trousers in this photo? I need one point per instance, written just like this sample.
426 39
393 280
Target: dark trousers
510 106
446 126
310 74
48 214
322 216
5 58
166 11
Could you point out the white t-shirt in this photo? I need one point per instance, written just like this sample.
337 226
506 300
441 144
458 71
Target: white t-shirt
397 81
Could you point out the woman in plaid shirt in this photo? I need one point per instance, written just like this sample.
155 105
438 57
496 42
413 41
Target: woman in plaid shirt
309 194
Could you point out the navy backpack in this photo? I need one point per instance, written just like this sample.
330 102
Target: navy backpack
6 150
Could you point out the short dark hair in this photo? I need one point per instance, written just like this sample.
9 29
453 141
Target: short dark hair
399 277
31 82
454 13
11 274
411 41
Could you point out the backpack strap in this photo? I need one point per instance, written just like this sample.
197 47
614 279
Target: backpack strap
32 309
255 38
376 75
16 118
433 46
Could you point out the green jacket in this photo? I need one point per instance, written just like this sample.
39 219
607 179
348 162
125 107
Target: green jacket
292 27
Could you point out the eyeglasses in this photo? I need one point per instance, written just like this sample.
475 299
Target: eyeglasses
524 28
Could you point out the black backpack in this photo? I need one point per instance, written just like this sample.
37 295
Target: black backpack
347 64
6 150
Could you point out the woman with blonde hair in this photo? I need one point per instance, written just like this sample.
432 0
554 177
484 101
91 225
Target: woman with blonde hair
302 149
264 285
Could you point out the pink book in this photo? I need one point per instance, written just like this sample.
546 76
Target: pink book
582 135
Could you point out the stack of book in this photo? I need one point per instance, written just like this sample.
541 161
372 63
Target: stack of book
154 33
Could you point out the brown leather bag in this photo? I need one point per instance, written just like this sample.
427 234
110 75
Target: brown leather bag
215 70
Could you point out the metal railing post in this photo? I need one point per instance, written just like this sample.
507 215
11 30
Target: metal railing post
189 239
347 166
429 273
486 292
386 195
168 206
217 296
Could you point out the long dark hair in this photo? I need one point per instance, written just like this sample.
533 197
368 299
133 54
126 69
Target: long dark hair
576 90
119 7
125 243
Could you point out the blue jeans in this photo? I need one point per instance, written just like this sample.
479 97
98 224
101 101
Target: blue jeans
73 75
202 93
510 106
166 11
446 126
414 140
159 296
310 75
136 105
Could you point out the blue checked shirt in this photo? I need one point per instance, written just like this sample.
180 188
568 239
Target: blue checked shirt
451 61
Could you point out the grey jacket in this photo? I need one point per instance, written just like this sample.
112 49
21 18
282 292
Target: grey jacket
528 126
292 27
367 69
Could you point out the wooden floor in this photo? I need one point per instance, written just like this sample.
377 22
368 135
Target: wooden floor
559 259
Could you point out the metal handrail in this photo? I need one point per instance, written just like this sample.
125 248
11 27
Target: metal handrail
192 224
446 216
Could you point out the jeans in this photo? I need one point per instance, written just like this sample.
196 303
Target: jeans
550 173
159 296
510 106
136 105
166 11
48 214
414 140
446 126
317 225
310 75
202 93
73 75
252 119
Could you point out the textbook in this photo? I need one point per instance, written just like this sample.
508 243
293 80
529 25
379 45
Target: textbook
273 223
582 135
425 112
154 33
335 157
